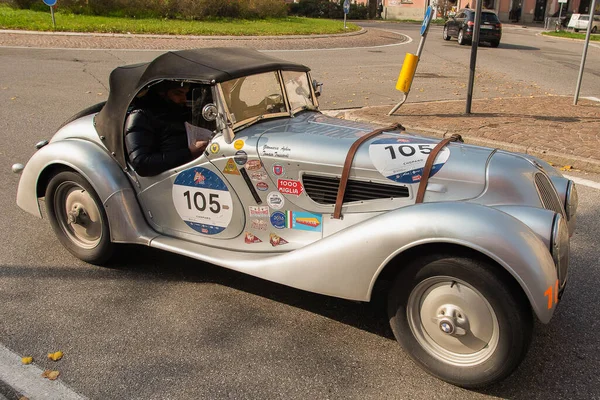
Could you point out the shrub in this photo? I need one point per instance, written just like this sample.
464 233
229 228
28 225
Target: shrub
328 9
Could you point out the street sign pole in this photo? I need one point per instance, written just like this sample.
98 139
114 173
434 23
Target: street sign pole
585 48
411 61
52 13
474 45
51 4
346 10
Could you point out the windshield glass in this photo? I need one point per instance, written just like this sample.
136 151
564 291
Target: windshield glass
298 89
253 96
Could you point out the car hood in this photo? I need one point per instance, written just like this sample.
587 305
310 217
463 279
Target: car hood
315 144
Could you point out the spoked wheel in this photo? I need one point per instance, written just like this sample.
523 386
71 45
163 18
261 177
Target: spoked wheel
461 319
445 33
78 217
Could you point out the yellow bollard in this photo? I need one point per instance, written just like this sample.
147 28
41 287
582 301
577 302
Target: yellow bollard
407 73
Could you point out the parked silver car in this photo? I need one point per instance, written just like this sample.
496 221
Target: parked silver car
287 194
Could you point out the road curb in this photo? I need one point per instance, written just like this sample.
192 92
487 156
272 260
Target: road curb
149 36
554 157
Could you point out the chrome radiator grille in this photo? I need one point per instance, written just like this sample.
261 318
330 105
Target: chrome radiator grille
323 189
548 195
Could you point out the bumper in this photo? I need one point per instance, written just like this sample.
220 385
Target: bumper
485 35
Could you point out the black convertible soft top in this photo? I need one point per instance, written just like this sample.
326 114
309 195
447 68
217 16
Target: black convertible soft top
209 65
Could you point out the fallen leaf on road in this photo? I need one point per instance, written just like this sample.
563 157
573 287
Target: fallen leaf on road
55 356
567 168
89 91
49 374
23 398
27 360
13 98
99 94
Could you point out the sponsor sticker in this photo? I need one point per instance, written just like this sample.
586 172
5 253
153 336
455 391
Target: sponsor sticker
238 144
231 168
278 169
259 224
275 200
253 165
202 200
278 220
214 148
249 238
303 221
276 240
258 175
404 162
262 186
258 211
290 186
240 157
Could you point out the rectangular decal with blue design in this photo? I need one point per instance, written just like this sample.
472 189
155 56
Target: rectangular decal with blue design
304 221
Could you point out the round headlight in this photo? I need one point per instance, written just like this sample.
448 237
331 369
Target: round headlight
560 246
571 200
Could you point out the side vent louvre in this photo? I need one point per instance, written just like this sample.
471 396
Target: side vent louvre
323 189
548 195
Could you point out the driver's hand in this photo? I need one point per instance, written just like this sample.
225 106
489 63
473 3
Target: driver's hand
198 148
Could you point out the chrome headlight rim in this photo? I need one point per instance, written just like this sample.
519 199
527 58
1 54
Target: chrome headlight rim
571 200
560 246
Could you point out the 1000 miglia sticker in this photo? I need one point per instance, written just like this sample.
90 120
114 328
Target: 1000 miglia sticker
202 200
403 161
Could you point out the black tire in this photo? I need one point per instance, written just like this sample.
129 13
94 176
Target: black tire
594 29
495 43
445 35
423 296
87 234
461 39
576 30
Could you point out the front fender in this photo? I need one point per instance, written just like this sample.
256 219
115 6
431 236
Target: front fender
126 222
496 234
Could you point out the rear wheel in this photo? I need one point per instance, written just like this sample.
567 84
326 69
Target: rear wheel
460 319
78 218
461 38
495 43
445 34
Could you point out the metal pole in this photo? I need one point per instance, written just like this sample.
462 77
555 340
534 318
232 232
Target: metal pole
585 48
474 45
52 13
344 20
559 16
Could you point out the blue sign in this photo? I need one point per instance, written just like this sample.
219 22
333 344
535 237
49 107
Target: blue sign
426 20
346 7
50 2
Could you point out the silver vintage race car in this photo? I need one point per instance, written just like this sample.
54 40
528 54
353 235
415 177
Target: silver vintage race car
469 242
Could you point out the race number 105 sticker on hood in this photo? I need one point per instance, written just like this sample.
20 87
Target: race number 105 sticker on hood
202 200
404 161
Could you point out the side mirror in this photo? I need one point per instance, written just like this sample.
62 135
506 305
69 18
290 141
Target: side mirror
317 87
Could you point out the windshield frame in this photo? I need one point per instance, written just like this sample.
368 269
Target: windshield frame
253 119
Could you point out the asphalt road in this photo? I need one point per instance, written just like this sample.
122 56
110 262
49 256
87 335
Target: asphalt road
159 326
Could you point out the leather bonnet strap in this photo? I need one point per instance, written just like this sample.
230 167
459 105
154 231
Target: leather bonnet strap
429 165
348 163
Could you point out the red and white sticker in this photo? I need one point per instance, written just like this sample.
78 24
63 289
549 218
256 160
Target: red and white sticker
276 240
249 238
262 186
259 211
259 224
290 186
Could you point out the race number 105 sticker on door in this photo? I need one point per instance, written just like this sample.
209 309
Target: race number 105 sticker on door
202 200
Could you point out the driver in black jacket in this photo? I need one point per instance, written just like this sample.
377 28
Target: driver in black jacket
155 134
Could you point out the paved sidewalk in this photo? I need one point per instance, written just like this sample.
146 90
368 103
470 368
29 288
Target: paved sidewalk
549 127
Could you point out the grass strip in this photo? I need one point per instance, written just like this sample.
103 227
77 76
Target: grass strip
41 21
572 35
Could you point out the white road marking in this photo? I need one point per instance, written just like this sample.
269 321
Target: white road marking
583 182
27 379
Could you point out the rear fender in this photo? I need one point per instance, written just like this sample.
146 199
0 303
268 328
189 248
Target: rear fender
126 221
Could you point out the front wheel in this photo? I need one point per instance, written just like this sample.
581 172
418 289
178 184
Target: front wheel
445 34
460 319
78 218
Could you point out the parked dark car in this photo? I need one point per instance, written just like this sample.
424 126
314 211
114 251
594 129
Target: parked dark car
461 27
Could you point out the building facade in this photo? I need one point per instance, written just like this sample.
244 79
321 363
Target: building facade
508 10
